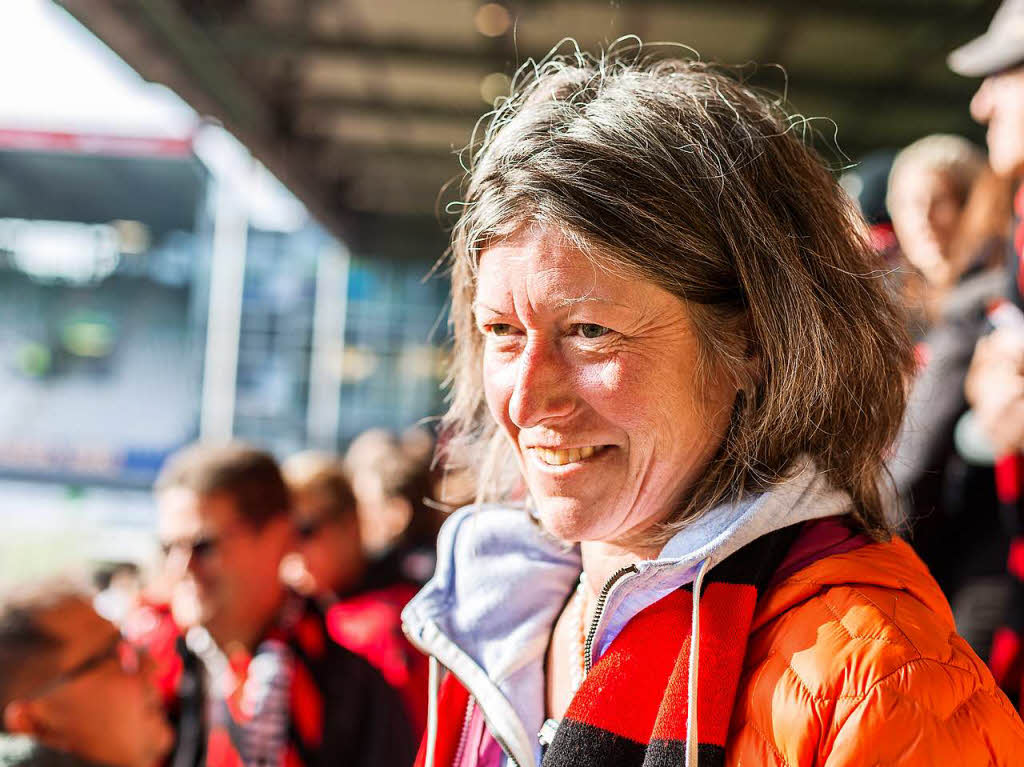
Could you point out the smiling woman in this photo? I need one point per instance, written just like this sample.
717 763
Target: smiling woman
678 370
591 377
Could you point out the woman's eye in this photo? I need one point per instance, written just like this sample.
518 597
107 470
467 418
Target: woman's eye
500 329
590 330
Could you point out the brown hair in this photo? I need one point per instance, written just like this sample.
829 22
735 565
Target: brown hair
685 177
29 650
248 475
324 475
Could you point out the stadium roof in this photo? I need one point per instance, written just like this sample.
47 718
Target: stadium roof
358 105
98 179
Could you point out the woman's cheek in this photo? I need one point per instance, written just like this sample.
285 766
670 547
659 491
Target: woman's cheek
609 378
499 381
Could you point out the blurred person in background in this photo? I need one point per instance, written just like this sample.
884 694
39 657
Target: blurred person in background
158 629
951 214
928 189
362 602
277 689
395 485
867 184
330 559
120 588
72 690
995 381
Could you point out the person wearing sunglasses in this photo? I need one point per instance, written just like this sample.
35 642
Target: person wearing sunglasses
276 689
329 560
72 690
363 596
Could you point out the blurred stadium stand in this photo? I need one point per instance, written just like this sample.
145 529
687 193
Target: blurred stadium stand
103 351
97 242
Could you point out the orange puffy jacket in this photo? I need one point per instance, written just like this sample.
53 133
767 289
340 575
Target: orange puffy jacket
855 660
852 661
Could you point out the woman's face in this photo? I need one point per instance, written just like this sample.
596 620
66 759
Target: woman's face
593 378
925 215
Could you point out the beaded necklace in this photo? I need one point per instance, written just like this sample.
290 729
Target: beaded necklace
577 614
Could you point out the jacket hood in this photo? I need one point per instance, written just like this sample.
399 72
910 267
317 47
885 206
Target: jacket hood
891 565
500 584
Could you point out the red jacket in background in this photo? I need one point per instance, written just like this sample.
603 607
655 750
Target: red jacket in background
369 624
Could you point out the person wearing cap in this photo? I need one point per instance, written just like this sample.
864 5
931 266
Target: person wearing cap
995 381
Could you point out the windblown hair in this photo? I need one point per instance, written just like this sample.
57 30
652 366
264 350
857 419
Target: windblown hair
676 173
250 476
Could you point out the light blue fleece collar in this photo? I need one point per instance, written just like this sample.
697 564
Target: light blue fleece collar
500 584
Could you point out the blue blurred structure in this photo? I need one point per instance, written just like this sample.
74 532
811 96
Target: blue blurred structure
102 347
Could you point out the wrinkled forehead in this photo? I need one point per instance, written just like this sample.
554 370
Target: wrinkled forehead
544 260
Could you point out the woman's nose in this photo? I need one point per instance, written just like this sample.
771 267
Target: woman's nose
543 385
981 102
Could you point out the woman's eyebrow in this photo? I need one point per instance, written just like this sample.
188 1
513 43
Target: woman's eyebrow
569 302
478 307
564 303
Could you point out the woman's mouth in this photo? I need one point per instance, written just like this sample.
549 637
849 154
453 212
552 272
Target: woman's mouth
558 457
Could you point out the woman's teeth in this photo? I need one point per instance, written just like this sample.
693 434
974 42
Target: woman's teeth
562 457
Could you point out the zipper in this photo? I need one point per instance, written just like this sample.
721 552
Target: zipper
464 737
422 647
602 600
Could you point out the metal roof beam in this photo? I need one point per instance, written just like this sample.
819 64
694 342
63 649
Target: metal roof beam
932 11
263 43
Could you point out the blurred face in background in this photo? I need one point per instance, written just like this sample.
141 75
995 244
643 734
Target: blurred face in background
225 571
328 545
999 103
101 702
925 210
382 517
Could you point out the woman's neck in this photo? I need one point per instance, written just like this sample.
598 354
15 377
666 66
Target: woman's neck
601 560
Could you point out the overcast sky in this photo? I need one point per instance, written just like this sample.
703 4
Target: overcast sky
56 76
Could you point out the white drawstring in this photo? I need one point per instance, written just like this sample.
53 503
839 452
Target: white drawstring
691 693
433 683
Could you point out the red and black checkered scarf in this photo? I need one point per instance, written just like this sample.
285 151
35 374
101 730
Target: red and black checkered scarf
633 706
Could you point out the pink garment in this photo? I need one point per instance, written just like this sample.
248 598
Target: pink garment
479 748
818 539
